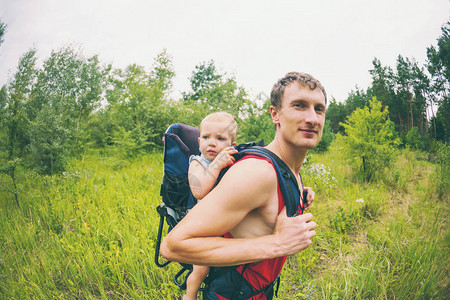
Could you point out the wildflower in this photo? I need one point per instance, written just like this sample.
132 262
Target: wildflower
360 200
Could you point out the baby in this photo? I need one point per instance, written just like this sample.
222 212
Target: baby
217 136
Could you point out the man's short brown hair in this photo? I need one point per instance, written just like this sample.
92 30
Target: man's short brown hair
301 78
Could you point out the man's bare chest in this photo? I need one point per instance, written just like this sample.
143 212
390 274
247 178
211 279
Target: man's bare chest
258 222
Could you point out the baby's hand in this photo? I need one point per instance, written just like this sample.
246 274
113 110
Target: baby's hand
309 198
225 157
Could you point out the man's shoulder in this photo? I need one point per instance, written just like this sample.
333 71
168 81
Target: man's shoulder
253 167
250 178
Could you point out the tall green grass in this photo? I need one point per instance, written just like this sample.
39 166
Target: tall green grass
90 233
382 240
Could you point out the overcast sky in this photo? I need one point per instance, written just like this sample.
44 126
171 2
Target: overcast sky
256 40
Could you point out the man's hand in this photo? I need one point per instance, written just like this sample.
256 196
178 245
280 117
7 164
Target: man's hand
309 198
294 234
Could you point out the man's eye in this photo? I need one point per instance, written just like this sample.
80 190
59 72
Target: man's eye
320 109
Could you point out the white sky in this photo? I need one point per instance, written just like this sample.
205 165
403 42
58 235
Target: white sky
257 41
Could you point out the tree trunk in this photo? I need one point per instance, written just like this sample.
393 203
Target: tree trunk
51 159
13 177
410 108
434 120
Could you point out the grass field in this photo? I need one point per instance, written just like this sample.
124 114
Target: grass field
90 233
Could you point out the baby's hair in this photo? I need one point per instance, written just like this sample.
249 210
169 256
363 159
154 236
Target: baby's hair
222 116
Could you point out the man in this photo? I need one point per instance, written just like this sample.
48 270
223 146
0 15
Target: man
245 206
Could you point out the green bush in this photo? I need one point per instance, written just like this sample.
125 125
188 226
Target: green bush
370 140
415 140
342 220
443 172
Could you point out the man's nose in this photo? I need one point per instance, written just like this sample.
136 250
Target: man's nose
311 116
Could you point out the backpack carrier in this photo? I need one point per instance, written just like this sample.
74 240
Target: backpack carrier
180 142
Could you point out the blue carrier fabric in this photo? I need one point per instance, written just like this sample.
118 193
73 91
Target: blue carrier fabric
180 142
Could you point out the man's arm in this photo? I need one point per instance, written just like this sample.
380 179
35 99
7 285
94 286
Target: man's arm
248 185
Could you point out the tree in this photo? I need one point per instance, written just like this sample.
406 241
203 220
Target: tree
15 98
327 138
48 146
383 88
357 98
403 82
444 50
139 109
3 28
258 124
67 91
162 74
336 113
204 78
370 140
422 97
216 91
438 65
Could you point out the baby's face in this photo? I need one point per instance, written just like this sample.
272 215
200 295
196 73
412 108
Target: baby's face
214 137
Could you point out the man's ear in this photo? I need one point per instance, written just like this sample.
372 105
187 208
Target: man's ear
233 144
275 115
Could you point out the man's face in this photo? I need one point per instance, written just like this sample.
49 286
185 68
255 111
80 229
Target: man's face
302 115
214 137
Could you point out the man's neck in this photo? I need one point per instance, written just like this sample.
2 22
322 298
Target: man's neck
293 157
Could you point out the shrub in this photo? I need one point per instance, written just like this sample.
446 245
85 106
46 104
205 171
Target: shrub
370 140
444 176
342 221
415 140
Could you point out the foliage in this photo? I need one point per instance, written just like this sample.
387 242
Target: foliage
216 91
85 234
258 123
412 93
48 147
415 140
443 172
369 141
336 113
318 175
438 65
67 91
126 111
138 112
3 28
90 232
327 138
79 225
380 254
342 221
15 122
162 74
